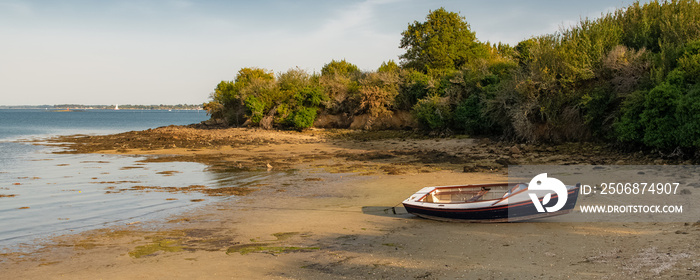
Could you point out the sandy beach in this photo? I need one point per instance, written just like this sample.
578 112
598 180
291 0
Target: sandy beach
331 217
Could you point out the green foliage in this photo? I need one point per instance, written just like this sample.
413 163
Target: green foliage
310 96
443 41
665 117
629 129
413 87
229 97
689 63
256 109
302 96
378 92
214 109
389 66
658 117
293 81
469 116
341 67
303 118
432 113
340 80
598 112
524 51
247 76
632 75
302 109
687 112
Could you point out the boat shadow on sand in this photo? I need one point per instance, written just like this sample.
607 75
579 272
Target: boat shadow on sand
387 211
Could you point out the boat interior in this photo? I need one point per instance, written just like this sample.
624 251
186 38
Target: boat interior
474 193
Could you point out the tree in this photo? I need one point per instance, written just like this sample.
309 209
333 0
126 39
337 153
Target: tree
388 66
340 80
341 67
443 41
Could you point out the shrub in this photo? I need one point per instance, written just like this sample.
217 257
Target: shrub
304 117
658 117
628 128
432 112
341 67
214 109
256 109
469 117
599 106
310 96
687 113
389 66
293 81
378 93
414 86
340 81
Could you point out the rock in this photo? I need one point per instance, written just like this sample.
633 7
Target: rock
681 232
209 122
658 161
266 122
470 168
620 162
484 141
685 192
480 168
515 150
505 161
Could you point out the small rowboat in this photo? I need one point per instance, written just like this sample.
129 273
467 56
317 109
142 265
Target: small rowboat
487 203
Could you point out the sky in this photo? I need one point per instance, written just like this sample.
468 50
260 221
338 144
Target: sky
177 51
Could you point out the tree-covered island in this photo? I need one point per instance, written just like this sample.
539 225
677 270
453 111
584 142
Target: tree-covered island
630 77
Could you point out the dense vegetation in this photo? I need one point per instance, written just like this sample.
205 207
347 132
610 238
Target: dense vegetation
629 77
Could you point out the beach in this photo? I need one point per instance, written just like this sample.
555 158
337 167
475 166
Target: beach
334 213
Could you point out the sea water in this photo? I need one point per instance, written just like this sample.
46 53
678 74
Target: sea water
48 194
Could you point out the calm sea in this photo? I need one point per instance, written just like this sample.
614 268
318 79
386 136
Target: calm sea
43 194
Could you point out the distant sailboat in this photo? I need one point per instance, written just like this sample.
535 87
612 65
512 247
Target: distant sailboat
116 107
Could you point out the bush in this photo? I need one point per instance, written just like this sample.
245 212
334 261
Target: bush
378 93
687 116
310 96
469 117
628 128
414 86
599 106
342 93
389 66
342 68
256 109
293 81
304 117
658 118
432 112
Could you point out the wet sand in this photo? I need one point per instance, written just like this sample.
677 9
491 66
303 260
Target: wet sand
331 217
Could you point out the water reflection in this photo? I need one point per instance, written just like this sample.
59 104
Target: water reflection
63 193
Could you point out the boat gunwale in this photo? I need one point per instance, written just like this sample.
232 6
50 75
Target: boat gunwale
509 185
